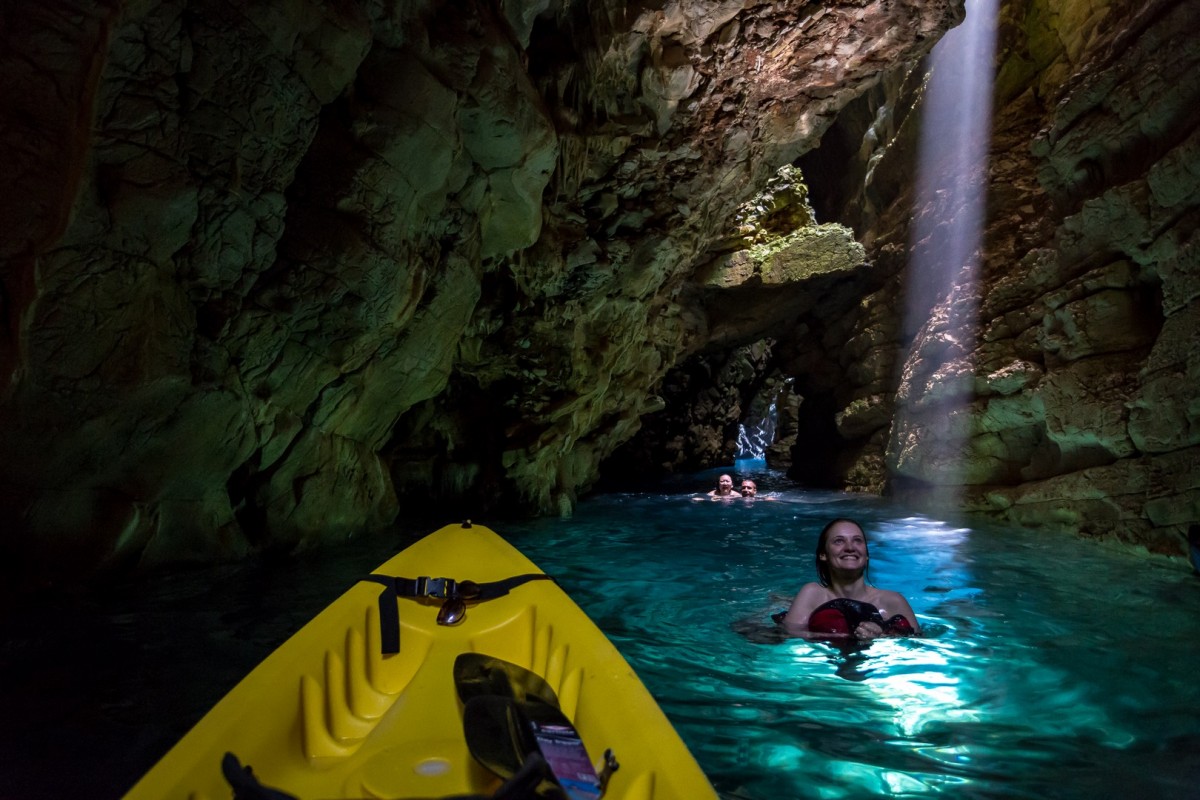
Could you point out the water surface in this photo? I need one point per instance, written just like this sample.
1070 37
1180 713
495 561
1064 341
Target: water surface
1050 668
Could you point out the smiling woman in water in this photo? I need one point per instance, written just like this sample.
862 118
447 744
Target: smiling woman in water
841 602
724 487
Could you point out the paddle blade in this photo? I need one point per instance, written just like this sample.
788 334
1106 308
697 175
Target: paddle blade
478 675
496 736
510 716
562 747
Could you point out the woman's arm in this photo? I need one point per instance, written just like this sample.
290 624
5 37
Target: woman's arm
806 600
896 604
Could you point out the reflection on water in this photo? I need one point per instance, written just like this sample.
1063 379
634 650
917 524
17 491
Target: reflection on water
1049 668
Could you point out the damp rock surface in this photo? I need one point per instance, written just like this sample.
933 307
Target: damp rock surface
289 272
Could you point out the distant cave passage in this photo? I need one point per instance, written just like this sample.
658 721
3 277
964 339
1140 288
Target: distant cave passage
818 449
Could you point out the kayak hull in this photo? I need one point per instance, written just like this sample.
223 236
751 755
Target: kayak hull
330 715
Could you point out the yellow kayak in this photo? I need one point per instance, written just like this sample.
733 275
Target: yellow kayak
334 713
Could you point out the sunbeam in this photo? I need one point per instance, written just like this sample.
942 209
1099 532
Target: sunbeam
946 241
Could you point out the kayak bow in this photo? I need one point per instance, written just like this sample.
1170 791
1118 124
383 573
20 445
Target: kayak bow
331 714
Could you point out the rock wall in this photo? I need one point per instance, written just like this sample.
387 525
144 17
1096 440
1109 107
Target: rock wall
1082 400
287 270
1058 389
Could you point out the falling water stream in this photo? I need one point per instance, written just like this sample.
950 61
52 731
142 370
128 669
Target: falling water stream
755 436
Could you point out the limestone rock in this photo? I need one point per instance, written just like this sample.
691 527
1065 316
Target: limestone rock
1083 324
1059 389
293 273
321 237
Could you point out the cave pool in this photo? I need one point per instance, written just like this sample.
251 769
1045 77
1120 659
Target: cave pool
1049 668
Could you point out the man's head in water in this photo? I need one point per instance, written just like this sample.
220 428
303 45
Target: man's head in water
748 488
842 544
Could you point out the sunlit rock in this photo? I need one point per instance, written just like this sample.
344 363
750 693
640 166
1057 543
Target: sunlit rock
290 274
1083 299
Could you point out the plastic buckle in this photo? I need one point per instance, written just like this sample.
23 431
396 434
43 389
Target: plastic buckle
440 588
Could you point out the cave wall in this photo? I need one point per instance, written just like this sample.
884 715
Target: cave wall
1081 400
1072 401
283 271
288 271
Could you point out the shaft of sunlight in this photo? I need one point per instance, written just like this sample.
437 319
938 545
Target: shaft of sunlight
942 306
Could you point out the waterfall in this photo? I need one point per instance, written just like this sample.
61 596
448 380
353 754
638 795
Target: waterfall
754 439
756 432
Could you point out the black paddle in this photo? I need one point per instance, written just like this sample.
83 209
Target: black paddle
510 715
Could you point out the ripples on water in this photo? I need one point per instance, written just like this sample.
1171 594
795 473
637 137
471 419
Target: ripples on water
1050 667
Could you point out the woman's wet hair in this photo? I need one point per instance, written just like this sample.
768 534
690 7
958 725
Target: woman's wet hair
823 565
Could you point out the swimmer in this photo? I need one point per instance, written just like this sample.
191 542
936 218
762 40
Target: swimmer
841 602
724 487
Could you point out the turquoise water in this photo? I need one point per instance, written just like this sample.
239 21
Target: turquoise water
1051 668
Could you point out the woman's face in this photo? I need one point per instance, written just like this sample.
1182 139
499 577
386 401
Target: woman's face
846 547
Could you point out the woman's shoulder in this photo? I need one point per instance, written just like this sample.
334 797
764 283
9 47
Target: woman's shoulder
813 590
809 596
887 599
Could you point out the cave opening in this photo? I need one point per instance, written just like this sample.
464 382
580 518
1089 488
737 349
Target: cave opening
819 447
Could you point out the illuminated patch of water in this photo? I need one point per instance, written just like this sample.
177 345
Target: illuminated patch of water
1050 667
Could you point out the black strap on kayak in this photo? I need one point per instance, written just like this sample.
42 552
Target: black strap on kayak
389 614
447 589
245 783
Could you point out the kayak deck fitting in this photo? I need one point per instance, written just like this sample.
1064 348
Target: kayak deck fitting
330 714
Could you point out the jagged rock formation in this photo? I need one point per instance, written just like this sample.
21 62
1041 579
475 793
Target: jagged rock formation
1088 350
1088 288
286 270
1076 399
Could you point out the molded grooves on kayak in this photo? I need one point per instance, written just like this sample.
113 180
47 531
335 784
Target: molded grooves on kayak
330 715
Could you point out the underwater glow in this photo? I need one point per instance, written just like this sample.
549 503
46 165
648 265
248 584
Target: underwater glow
1013 690
1018 687
947 234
